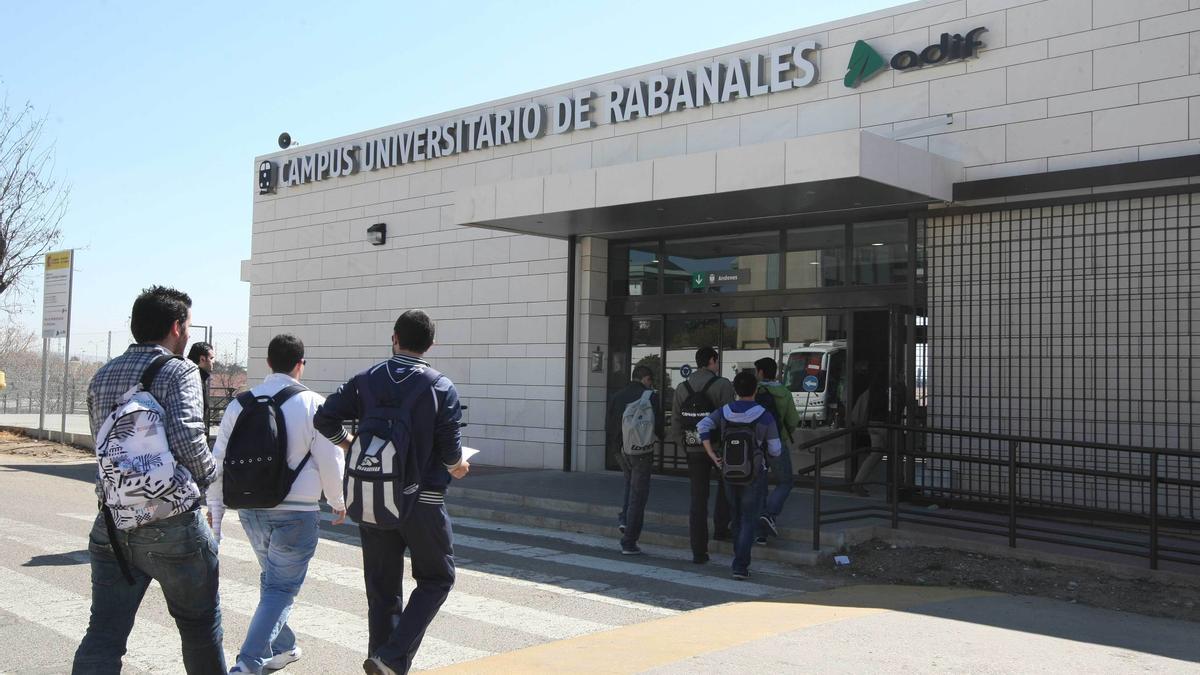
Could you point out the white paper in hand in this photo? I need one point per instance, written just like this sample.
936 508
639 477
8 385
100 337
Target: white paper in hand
468 453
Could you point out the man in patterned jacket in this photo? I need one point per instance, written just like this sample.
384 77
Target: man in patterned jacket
178 551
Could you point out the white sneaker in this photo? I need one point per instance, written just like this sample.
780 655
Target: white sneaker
283 658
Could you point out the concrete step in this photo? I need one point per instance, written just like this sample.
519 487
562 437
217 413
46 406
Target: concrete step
674 536
571 511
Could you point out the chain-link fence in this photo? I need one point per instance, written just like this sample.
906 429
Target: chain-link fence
67 382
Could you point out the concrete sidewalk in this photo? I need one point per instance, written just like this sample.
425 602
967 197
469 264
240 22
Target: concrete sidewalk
590 502
873 629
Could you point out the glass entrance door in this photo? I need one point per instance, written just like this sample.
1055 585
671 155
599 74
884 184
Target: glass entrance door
828 360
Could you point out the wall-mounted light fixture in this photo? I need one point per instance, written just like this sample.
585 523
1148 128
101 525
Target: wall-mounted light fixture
598 360
377 234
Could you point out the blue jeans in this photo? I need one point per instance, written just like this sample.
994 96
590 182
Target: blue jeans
181 555
637 470
745 504
284 541
781 467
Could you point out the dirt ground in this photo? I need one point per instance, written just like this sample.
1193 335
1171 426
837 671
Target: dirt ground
24 446
878 562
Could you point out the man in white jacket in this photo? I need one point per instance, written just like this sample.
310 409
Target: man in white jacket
284 538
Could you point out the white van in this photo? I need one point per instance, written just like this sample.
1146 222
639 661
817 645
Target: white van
816 375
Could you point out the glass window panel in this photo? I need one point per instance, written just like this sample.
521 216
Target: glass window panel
813 365
881 252
748 340
643 269
816 257
634 269
726 264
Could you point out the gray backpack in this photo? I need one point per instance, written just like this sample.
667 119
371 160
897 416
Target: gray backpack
637 426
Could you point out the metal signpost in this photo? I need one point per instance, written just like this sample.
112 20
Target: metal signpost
56 322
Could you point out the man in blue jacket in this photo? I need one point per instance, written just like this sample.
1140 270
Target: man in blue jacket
430 405
745 500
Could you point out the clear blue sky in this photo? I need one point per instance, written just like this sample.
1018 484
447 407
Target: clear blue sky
157 110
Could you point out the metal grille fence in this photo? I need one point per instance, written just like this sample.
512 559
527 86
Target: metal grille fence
1074 320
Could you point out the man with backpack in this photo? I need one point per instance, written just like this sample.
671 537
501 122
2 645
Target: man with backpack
747 434
145 409
273 467
406 450
635 424
695 398
777 400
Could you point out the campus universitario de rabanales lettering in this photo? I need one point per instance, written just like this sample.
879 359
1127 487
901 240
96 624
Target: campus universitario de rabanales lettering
777 70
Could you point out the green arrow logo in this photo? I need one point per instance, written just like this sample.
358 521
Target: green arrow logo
864 64
698 280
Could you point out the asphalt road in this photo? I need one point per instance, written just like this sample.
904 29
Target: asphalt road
517 587
532 601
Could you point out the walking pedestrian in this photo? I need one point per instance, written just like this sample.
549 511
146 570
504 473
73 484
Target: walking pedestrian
747 424
400 463
145 409
635 424
777 400
701 393
202 354
283 534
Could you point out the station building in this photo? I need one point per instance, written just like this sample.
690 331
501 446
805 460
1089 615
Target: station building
982 214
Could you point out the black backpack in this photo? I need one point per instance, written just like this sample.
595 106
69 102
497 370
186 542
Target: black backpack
695 407
255 473
740 454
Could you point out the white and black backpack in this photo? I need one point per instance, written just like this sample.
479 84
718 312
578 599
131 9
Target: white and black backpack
139 476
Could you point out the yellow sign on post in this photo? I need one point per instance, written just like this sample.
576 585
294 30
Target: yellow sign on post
59 260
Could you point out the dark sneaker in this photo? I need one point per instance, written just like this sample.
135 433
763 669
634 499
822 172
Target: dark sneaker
769 521
700 559
376 666
741 576
760 540
631 550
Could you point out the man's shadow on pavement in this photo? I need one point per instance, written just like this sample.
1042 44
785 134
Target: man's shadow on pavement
82 471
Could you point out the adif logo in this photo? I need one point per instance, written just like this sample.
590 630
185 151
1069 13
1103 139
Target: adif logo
864 64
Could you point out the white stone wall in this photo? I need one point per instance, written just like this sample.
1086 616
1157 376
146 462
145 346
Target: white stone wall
498 299
1061 84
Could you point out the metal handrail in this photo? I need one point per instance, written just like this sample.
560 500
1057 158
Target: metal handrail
1010 497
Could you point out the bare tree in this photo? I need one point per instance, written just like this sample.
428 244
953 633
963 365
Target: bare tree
32 202
15 339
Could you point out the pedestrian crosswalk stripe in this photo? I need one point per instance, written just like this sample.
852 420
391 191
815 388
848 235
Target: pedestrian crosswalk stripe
330 625
585 589
658 573
665 574
595 591
342 628
151 647
722 583
478 608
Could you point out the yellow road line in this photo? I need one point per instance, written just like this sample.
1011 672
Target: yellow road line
639 647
